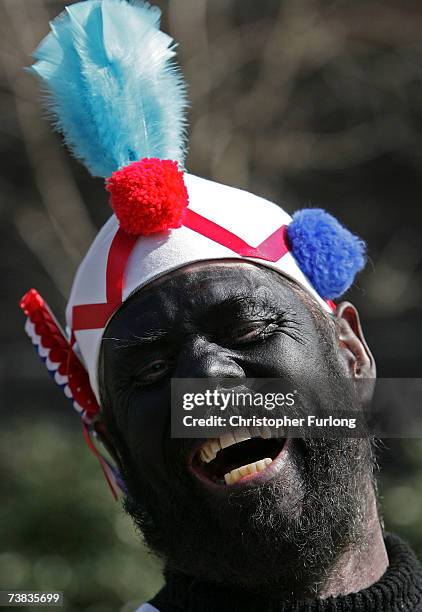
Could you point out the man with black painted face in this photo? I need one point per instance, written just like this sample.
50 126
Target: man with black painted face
305 529
193 279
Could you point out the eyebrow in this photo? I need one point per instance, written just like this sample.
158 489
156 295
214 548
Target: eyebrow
240 304
243 303
137 341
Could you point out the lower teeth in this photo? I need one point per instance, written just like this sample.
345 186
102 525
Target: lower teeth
246 470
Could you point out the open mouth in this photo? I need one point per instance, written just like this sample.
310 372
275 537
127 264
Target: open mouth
236 456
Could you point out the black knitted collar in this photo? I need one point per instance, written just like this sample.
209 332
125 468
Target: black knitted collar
399 589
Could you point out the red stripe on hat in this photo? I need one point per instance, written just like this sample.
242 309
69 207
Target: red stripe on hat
95 316
271 249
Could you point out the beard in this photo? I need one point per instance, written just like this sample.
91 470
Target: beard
280 537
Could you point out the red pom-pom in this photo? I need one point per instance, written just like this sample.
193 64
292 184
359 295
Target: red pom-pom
148 196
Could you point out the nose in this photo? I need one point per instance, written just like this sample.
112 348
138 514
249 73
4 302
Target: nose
203 359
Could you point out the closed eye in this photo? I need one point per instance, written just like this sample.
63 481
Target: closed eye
250 332
153 372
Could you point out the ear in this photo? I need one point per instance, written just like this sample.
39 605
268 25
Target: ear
352 343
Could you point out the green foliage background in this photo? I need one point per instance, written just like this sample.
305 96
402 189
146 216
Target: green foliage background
60 527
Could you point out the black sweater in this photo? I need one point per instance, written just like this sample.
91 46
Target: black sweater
399 589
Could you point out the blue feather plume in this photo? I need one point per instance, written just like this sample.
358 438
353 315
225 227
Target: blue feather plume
113 89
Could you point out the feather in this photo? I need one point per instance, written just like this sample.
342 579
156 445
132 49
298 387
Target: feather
112 87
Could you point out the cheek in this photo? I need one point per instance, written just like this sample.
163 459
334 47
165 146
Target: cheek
146 429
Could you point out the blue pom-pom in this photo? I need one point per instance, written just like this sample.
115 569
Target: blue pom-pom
327 253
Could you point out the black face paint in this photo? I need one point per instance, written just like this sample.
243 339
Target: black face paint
231 320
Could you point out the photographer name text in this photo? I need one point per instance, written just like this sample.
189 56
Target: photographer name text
282 422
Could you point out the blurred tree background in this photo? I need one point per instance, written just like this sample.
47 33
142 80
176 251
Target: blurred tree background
306 102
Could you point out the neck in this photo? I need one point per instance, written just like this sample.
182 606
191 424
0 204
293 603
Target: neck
398 589
362 564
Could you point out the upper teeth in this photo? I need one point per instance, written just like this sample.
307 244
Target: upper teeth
209 450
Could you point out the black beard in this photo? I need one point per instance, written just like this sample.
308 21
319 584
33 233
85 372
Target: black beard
277 538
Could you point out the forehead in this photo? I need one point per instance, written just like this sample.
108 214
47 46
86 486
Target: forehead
198 288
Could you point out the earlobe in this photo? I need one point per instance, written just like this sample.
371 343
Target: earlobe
352 342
